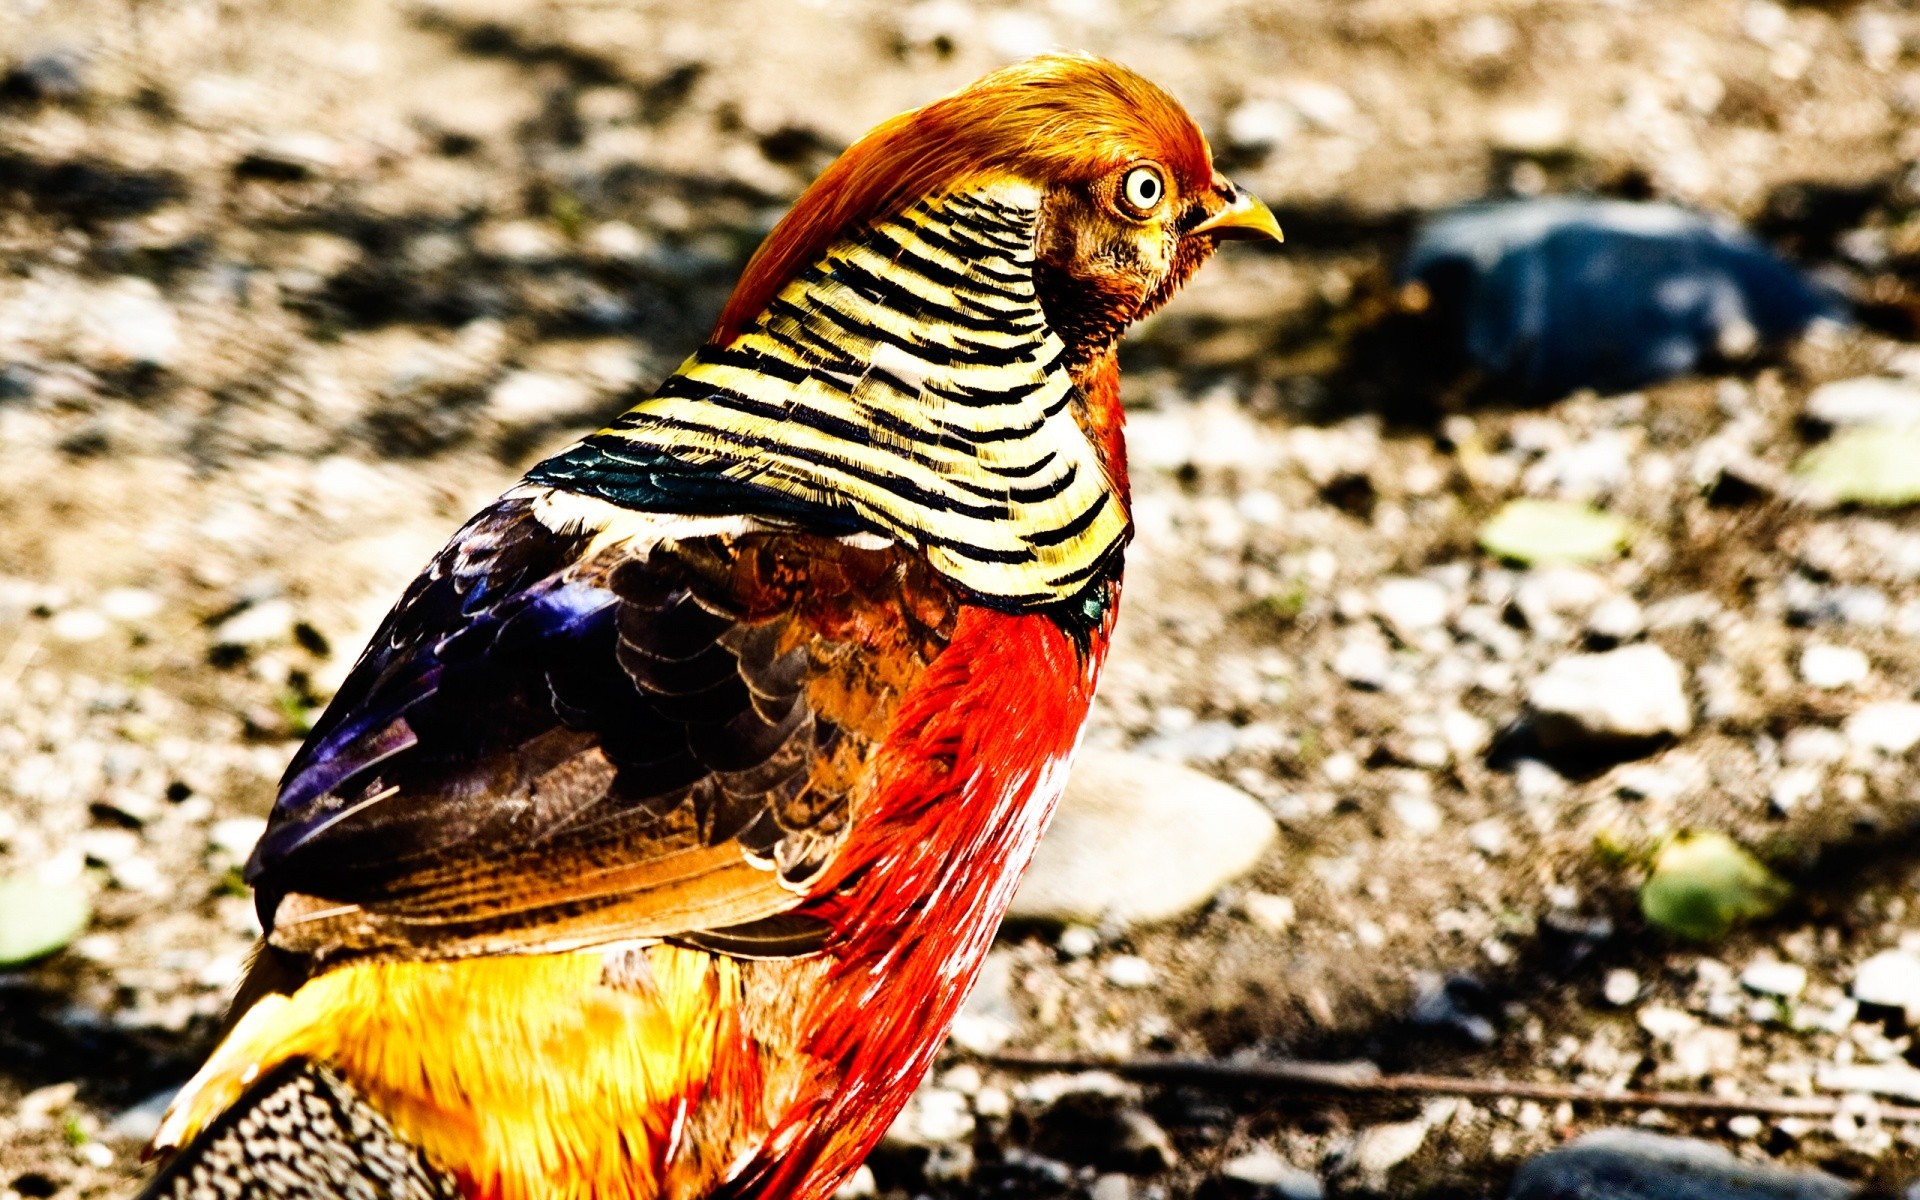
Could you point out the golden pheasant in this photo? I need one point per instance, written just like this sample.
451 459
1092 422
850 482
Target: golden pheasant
656 838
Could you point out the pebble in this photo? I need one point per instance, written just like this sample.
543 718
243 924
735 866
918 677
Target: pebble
1831 667
256 625
1261 126
1137 840
128 324
1621 987
527 398
1634 1164
1890 979
860 1185
1633 694
1771 978
1617 619
1275 914
1418 813
1411 606
989 1019
1892 727
1324 106
235 836
78 625
1279 1179
1380 1148
1866 400
1129 971
1077 941
1795 787
129 604
1363 661
1814 746
933 1116
1896 1079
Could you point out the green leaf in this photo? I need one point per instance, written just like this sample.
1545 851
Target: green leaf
1553 531
1703 883
36 919
1877 465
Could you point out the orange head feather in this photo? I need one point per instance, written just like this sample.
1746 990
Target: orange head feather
1052 120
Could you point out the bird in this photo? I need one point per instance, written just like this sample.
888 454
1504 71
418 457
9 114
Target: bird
654 841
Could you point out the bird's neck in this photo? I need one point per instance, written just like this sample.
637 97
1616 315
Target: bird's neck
907 384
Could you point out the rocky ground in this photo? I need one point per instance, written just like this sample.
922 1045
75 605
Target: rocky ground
289 290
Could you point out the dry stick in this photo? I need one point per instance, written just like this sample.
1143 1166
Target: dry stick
1365 1079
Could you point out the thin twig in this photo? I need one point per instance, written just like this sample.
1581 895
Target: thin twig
1365 1079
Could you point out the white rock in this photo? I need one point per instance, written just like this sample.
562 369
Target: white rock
1617 619
1379 1148
1708 1050
235 836
535 398
257 625
521 241
1129 971
1621 987
1664 1023
618 241
1769 978
1813 745
1261 126
1363 661
1077 941
1418 813
859 1186
1275 914
129 604
1794 787
1411 606
1890 979
76 625
933 1116
988 1020
128 324
1630 694
1831 667
1867 400
1489 837
1889 728
1878 1079
1548 594
1324 106
1275 1176
1136 840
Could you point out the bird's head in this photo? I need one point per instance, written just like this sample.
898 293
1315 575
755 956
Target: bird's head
1130 202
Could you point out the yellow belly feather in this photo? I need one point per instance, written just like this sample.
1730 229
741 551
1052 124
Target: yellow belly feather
532 1076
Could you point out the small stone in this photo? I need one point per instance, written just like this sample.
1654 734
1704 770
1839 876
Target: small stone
1746 1125
1621 987
1664 1024
256 625
1813 746
1275 1176
1617 619
1411 606
1489 837
989 1018
1129 971
1892 727
1137 840
1769 978
1380 1148
1078 941
1831 667
129 604
289 157
1324 106
109 847
1537 783
618 241
1867 400
128 324
1363 661
77 625
1794 787
527 398
1262 126
1633 1164
235 836
1418 813
520 241
1275 914
1110 1186
1890 979
860 1185
1633 694
933 1116
1895 1079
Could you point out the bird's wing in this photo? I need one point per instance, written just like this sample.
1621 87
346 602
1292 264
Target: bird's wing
561 737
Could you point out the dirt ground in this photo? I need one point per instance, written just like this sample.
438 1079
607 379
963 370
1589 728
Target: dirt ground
286 290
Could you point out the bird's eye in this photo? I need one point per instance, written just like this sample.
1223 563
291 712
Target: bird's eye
1143 189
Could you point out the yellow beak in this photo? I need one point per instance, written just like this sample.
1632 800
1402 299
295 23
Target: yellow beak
1245 217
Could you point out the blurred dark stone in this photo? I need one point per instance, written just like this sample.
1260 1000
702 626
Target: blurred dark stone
1543 297
1632 1164
43 79
1458 1004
